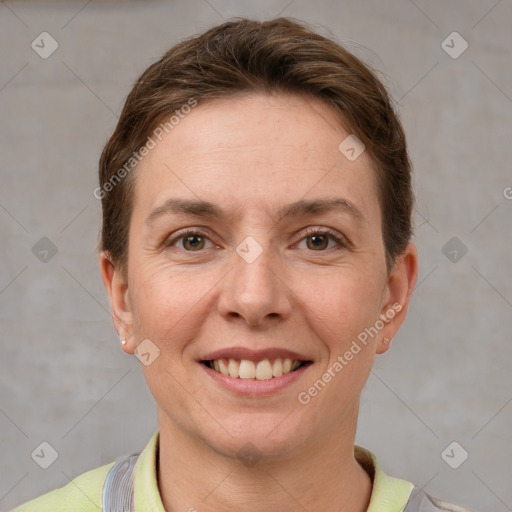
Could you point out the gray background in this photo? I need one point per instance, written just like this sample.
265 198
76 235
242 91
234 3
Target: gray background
63 377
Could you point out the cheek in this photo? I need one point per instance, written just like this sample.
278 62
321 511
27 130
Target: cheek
154 301
339 312
166 301
344 301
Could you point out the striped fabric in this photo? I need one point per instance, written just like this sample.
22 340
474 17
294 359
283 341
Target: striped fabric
118 487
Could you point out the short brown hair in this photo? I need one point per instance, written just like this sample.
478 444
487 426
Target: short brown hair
243 56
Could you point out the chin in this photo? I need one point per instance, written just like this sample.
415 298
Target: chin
258 436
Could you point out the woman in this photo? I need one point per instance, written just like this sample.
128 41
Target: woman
256 250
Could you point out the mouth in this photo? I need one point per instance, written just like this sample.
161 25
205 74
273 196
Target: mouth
249 369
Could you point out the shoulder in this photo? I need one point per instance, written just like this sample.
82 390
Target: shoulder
420 501
82 494
443 505
395 494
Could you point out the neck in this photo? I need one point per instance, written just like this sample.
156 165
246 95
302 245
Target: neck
324 476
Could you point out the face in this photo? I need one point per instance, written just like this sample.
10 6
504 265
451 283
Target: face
255 249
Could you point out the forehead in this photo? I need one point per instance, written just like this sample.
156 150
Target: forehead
256 150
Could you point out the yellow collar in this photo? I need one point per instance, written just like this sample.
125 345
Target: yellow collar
388 495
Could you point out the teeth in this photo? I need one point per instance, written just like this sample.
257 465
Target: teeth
223 367
261 370
264 370
247 369
233 368
277 368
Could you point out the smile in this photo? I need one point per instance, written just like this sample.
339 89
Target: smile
264 369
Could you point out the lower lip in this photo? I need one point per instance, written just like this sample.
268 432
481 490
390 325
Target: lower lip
254 387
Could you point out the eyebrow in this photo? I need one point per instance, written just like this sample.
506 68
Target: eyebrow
299 208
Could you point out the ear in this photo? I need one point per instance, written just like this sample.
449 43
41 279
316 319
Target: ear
396 297
116 285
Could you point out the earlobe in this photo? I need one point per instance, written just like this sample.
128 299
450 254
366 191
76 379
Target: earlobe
117 289
400 285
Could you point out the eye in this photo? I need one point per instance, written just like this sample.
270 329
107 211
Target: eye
318 240
191 241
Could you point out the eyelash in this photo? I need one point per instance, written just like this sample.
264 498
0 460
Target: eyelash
342 244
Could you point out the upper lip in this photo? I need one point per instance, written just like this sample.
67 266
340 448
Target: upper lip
254 355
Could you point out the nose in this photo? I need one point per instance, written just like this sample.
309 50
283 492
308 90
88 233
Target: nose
255 291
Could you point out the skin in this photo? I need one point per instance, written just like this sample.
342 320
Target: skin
250 155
